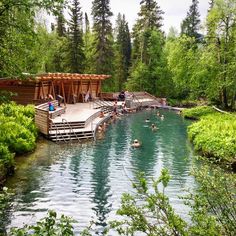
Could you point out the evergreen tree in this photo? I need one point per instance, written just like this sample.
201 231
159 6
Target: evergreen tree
61 29
103 40
150 18
190 25
147 48
62 41
150 15
88 46
123 51
87 31
211 3
76 44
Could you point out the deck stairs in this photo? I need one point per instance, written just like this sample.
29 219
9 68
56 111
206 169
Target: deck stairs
69 131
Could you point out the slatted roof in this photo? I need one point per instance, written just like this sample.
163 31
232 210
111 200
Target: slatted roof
70 76
58 77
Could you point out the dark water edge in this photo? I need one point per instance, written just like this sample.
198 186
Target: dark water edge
86 180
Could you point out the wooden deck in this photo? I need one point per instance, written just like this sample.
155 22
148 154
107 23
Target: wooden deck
81 120
77 112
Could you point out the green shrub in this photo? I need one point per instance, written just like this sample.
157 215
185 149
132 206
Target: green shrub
215 136
18 133
197 112
6 158
6 161
16 137
148 211
50 225
182 103
13 110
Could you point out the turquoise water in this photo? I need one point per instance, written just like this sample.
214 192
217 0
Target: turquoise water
86 181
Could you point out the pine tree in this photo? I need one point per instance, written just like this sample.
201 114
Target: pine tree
61 29
123 51
150 15
190 25
88 46
211 3
147 48
76 44
150 18
103 41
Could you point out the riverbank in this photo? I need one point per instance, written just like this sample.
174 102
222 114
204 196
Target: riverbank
213 135
18 135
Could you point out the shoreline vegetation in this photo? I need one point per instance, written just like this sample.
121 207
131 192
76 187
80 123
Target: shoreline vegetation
18 135
213 134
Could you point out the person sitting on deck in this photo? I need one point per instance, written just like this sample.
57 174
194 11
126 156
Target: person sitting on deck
115 107
50 97
136 143
124 108
60 99
51 107
121 96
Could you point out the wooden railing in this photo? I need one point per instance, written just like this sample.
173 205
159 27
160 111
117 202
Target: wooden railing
43 117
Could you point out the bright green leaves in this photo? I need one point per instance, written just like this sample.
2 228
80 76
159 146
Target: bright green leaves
49 226
214 135
17 133
149 210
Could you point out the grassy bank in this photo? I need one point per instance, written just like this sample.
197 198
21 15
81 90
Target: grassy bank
17 134
214 134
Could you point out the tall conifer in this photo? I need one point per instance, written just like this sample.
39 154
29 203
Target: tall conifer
149 18
103 41
123 51
76 63
61 29
191 24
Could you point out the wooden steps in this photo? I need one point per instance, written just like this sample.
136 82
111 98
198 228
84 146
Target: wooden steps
69 131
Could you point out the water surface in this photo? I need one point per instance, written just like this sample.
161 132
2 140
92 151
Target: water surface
86 181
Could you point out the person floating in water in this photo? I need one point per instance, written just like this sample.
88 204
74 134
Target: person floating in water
147 120
154 127
101 115
136 143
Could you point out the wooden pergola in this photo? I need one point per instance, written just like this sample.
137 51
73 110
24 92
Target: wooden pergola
72 87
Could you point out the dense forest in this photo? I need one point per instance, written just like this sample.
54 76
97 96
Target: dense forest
186 65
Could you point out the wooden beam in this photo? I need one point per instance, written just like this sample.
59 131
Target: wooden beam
53 89
63 92
43 90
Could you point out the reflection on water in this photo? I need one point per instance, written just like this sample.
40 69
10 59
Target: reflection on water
86 181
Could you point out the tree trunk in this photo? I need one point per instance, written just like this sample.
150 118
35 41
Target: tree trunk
224 98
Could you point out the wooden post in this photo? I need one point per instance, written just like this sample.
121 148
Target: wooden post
53 90
43 90
63 92
73 92
69 93
98 88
